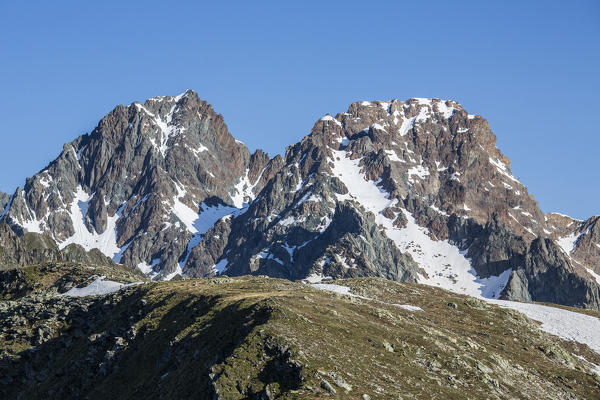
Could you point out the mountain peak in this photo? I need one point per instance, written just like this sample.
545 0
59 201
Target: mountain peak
395 189
164 121
146 168
176 98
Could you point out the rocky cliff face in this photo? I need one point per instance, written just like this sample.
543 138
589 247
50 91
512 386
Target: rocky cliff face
421 177
4 198
34 248
580 240
547 275
407 190
134 187
420 161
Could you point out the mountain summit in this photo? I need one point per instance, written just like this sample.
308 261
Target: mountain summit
412 191
134 187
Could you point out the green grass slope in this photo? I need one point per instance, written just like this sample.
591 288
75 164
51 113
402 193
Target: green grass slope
260 338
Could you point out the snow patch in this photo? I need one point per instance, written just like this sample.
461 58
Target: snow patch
445 265
243 191
444 213
202 221
407 124
595 368
106 241
314 278
345 290
567 243
378 126
183 212
46 180
148 269
393 156
594 275
197 151
566 324
446 111
199 222
503 169
221 266
99 286
287 221
330 118
339 289
419 171
32 225
409 307
166 129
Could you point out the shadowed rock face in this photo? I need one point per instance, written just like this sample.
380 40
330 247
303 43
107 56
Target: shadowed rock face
34 248
4 198
548 276
407 190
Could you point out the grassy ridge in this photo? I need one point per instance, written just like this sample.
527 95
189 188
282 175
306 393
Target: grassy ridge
260 338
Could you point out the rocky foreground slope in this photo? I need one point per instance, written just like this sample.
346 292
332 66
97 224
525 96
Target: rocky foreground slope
412 191
261 338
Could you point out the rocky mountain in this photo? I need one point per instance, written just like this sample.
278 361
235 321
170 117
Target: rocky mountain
133 188
4 198
262 338
413 191
579 239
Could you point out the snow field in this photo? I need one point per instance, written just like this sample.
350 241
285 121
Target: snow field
98 287
345 290
106 241
566 324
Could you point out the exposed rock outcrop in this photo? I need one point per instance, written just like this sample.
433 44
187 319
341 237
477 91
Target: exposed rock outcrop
546 275
4 199
33 248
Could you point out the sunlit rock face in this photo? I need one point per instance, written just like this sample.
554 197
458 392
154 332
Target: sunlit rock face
410 190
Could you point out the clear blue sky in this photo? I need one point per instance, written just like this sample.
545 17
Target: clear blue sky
273 68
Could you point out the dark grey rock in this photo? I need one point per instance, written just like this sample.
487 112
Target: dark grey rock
547 276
